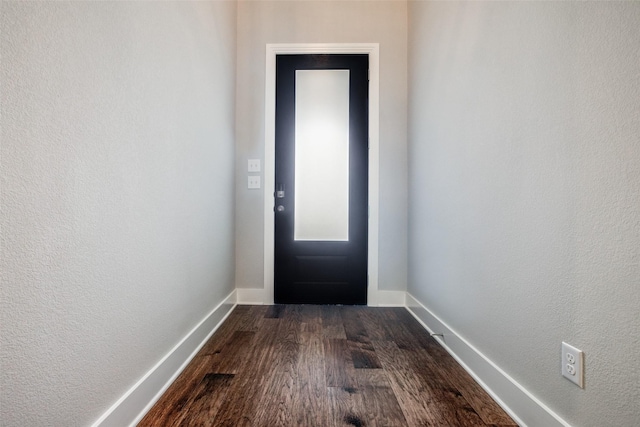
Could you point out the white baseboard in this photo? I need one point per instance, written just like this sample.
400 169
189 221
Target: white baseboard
247 296
136 402
522 406
251 296
391 298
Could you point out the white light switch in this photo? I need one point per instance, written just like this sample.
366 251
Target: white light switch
253 165
254 182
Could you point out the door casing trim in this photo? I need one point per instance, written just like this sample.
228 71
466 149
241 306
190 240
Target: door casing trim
373 50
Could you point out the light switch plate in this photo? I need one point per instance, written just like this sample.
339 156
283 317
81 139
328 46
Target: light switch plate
253 182
253 165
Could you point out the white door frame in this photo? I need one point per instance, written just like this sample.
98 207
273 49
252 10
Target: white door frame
373 50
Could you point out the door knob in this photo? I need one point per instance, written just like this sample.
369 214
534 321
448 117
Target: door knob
280 208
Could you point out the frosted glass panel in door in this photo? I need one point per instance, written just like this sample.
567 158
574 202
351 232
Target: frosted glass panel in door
321 209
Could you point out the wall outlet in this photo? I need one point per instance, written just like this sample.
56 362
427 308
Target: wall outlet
573 364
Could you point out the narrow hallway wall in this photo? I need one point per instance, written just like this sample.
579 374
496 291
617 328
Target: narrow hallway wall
117 143
525 191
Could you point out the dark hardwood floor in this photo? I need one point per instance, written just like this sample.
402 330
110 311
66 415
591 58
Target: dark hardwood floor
324 366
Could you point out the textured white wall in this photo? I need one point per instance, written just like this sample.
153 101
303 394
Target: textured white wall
384 22
117 195
524 147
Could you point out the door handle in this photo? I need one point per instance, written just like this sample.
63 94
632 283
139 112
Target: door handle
280 191
280 208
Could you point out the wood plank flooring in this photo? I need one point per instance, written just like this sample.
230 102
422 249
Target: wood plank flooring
324 366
